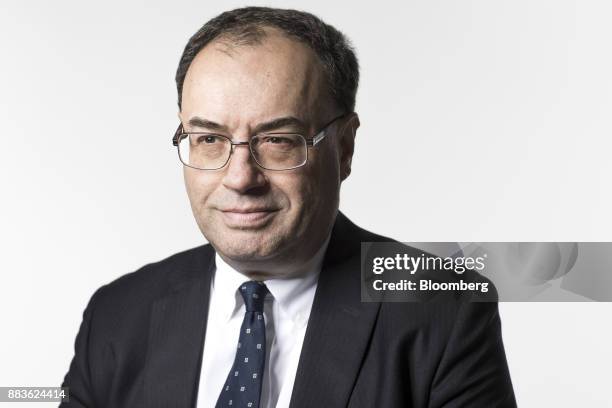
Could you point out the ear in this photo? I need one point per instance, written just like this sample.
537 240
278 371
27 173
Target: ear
347 134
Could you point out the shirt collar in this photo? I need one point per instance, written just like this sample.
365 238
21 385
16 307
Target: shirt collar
224 287
294 295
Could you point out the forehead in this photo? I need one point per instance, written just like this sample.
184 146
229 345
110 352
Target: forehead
278 76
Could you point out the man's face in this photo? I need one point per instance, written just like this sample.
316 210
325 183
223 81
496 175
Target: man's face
254 217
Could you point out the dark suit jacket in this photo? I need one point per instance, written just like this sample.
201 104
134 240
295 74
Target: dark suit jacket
141 340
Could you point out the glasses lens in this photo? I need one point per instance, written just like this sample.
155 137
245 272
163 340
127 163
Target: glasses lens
279 151
204 151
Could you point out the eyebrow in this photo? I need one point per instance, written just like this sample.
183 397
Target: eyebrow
274 124
206 124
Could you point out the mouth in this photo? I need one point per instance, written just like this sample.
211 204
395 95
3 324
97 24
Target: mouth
248 218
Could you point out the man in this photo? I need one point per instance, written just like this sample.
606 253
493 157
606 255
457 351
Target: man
269 313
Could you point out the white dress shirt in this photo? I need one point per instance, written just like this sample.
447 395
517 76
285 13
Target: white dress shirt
286 313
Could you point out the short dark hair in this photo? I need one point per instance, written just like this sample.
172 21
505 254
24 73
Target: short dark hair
245 26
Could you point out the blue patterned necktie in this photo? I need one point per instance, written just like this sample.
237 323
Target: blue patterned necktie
243 385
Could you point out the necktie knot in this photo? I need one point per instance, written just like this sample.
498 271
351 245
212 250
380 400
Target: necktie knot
254 294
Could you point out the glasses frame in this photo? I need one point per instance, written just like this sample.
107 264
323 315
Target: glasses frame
180 134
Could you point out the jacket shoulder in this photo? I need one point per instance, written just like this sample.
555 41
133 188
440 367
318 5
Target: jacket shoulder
153 280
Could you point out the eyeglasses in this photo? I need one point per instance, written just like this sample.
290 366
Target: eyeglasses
270 150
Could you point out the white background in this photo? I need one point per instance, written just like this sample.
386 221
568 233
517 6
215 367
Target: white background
481 121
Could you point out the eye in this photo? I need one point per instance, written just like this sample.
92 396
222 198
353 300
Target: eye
277 140
209 139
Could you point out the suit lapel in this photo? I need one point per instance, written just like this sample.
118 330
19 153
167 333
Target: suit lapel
176 336
339 327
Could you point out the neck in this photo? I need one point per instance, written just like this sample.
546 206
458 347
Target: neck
288 268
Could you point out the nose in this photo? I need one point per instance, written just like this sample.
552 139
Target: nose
242 174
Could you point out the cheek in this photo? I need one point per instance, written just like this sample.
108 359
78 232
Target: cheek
198 187
325 172
288 189
319 183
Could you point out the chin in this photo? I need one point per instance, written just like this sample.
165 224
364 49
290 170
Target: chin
245 246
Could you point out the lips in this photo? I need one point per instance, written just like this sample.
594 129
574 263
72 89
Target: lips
249 210
245 218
